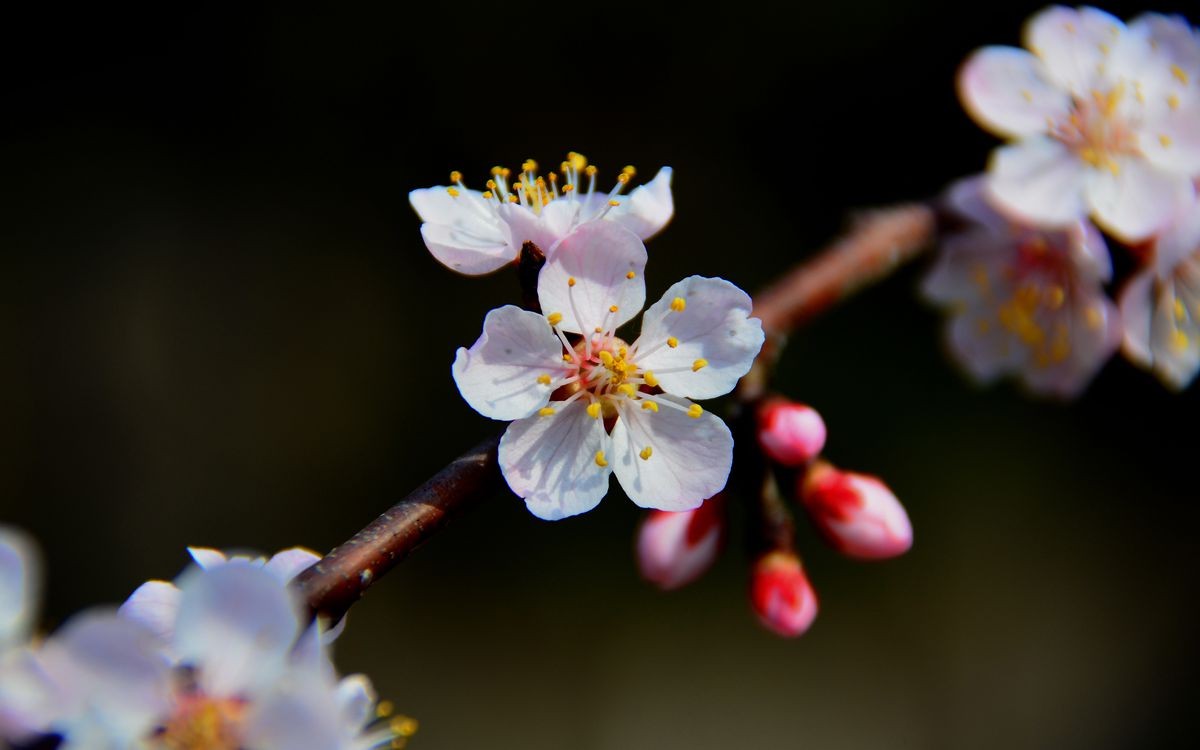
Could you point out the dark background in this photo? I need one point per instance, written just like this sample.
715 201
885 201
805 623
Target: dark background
220 327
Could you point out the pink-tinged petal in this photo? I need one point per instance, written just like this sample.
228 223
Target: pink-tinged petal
1006 90
1175 327
19 584
207 557
289 563
543 230
1137 310
236 625
1179 242
674 549
969 199
688 458
790 434
108 666
648 208
356 698
504 374
781 595
1136 199
155 604
1171 141
466 253
607 263
296 714
1089 252
29 699
1038 180
856 513
1073 43
559 464
1093 334
463 233
978 344
716 339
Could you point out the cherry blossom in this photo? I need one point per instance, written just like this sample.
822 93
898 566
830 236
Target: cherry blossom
1024 301
789 433
1104 119
586 404
1161 305
477 232
856 513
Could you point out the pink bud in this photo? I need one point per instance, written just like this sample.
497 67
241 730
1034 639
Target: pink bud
858 515
782 597
674 549
790 433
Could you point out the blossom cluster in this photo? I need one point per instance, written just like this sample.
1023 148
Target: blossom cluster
222 659
1102 120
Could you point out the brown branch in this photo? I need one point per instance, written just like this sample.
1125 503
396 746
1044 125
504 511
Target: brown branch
874 246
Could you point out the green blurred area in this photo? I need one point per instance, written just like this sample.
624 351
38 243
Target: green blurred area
222 329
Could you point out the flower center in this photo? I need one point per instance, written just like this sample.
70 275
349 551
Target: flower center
536 192
204 723
1098 129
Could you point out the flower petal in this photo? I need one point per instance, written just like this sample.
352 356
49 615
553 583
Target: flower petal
1007 91
551 462
462 232
1175 333
207 557
1171 141
607 263
688 461
1136 199
1072 43
498 375
19 585
1137 309
1039 180
648 208
289 563
236 624
717 340
154 604
543 230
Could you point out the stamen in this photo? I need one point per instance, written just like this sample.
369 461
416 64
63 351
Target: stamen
679 304
1179 74
650 406
543 379
651 381
593 410
699 364
452 191
554 318
571 281
630 275
545 411
694 411
672 342
601 461
606 358
456 177
613 309
646 453
627 389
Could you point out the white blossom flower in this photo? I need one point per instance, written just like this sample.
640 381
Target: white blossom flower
24 692
475 232
1024 301
1161 305
594 405
239 671
1105 119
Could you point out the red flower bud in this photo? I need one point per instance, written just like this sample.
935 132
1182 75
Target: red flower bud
674 549
858 515
783 598
791 434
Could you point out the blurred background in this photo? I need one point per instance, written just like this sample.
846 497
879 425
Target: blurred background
221 328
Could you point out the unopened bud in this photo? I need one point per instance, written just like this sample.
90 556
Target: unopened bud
790 433
674 549
783 598
858 515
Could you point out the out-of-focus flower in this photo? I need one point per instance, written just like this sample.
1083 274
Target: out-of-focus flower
240 670
475 232
1024 301
857 514
1105 119
592 405
1161 305
24 692
791 434
782 597
156 603
674 549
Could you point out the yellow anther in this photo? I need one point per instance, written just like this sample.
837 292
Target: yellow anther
650 378
613 309
384 709
1173 101
1103 48
606 358
405 726
627 389
646 453
576 160
629 170
694 411
630 275
598 329
545 411
568 187
491 184
505 171
567 358
601 461
1179 340
456 176
512 198
1055 296
453 192
1180 74
622 351
497 170
553 176
529 165
1180 310
554 318
1026 95
570 281
593 410
614 203
650 406
623 178
699 364
544 379
487 194
1165 140
679 304
590 171
672 342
